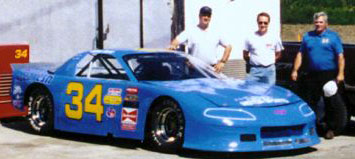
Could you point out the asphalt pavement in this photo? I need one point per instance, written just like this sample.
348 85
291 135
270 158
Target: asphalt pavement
18 141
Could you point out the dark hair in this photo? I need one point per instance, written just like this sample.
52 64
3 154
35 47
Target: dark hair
205 10
263 14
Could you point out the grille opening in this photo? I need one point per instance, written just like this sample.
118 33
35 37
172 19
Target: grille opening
281 131
277 143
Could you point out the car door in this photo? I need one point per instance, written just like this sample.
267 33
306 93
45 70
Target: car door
92 99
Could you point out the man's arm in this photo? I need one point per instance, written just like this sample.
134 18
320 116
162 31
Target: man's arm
246 56
296 65
341 66
227 51
277 55
174 44
278 49
179 39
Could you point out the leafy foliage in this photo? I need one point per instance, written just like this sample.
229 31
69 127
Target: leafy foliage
301 11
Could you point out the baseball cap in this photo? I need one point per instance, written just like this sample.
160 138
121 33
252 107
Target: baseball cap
206 11
330 88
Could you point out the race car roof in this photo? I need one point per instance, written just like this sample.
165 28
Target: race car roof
122 52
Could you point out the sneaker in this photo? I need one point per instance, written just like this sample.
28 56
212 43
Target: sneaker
329 135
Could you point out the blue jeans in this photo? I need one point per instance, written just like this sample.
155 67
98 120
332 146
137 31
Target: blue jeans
263 74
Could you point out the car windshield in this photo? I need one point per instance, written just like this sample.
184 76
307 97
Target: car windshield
168 66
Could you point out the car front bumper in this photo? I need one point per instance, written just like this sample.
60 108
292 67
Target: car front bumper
267 132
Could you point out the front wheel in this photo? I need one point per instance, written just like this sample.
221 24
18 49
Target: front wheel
40 113
166 127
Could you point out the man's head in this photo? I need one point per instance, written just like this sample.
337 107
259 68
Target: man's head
205 16
320 20
263 20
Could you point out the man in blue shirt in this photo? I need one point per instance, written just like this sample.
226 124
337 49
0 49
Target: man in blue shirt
322 53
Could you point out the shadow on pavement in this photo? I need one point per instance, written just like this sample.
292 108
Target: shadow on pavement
244 155
350 130
20 124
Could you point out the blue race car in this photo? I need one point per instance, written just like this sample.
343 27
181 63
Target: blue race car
167 99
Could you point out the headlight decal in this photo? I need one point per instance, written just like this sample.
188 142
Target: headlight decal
229 114
305 110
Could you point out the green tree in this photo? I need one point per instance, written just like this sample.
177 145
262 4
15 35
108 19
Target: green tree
301 11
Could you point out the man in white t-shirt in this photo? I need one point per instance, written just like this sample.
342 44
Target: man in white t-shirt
261 50
203 42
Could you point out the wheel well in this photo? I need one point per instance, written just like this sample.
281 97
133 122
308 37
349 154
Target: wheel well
31 88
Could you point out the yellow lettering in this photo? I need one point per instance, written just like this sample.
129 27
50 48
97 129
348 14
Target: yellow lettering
76 100
96 107
92 101
21 53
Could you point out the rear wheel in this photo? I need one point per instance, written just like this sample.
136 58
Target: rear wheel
40 111
166 127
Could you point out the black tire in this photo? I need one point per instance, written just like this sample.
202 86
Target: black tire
40 111
166 127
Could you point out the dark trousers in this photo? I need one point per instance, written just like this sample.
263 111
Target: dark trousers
311 88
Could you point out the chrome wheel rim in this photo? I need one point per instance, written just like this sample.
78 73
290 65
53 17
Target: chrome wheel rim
39 111
168 124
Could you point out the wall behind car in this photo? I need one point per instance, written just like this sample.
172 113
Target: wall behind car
58 29
54 29
235 19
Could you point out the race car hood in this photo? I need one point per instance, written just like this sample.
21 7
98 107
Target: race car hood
227 93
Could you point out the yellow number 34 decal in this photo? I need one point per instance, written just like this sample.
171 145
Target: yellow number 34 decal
77 99
21 53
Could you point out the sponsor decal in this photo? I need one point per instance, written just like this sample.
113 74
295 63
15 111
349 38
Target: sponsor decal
17 103
114 91
112 100
325 41
46 79
129 118
131 104
131 90
110 112
257 100
17 90
131 98
280 112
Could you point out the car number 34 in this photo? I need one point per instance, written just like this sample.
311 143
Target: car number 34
88 107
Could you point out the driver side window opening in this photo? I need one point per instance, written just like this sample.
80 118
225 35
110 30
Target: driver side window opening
163 67
100 66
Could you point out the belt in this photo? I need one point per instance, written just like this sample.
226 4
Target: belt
261 66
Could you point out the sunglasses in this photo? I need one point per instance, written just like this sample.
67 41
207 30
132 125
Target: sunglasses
205 15
265 23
